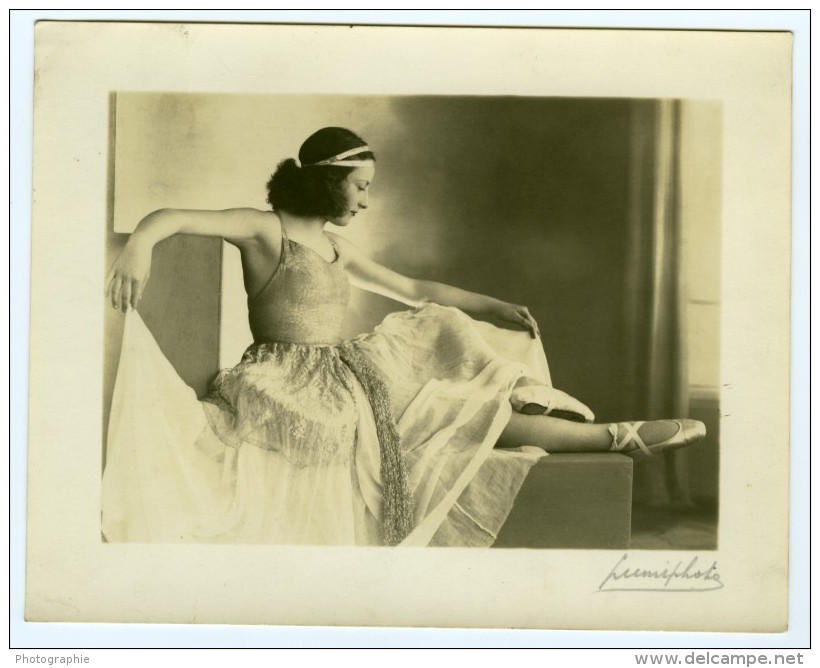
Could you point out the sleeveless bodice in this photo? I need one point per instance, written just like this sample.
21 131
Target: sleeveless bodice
304 301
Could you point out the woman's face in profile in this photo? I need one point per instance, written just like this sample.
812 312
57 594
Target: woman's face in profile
355 188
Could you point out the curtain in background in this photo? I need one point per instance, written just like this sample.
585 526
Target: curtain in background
655 306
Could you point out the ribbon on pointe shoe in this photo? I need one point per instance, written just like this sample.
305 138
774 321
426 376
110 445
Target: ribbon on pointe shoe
687 432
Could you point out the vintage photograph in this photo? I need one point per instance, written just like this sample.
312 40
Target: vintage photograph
455 328
380 312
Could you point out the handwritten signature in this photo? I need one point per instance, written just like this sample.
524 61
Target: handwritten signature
691 577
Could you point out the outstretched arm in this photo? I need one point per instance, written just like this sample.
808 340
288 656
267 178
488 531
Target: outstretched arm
249 229
374 277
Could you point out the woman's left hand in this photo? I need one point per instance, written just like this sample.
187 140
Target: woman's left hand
520 316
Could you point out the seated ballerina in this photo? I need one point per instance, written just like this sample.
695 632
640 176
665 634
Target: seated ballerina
418 433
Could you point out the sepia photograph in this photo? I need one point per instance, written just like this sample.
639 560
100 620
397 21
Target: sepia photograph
489 229
391 326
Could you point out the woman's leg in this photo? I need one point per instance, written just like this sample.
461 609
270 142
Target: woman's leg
556 435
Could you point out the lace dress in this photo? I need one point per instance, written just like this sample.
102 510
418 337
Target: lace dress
383 439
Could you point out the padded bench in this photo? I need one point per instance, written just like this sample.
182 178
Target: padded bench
573 501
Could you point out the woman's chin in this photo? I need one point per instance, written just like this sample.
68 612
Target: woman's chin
342 221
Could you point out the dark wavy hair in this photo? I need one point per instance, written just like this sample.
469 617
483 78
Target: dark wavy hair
316 190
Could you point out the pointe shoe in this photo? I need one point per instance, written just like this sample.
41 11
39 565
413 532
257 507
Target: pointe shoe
631 443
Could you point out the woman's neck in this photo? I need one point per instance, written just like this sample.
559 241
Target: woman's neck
301 228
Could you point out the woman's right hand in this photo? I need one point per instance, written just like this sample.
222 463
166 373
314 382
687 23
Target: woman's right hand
126 280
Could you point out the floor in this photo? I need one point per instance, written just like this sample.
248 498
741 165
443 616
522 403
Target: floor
668 528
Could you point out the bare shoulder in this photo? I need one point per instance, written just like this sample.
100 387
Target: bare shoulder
261 226
346 246
359 263
256 218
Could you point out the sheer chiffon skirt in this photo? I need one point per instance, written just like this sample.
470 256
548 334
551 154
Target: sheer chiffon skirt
285 448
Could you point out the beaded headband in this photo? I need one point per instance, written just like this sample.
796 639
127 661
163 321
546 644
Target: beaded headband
339 159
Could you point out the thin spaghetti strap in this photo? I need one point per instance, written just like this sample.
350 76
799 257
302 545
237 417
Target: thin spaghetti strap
282 255
335 247
284 240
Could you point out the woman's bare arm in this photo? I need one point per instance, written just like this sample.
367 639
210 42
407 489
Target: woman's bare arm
248 229
237 226
374 277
